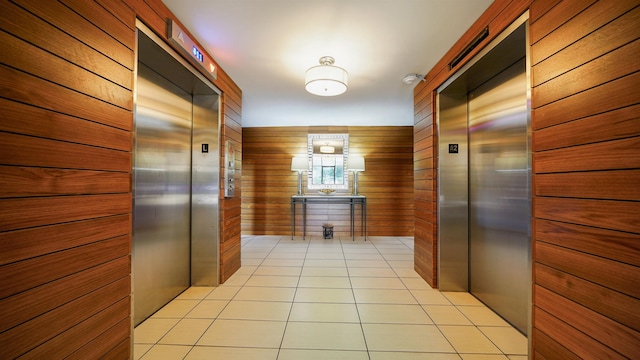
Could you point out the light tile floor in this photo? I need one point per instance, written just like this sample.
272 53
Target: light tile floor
326 299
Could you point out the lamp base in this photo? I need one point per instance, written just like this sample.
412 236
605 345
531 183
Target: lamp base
299 183
355 183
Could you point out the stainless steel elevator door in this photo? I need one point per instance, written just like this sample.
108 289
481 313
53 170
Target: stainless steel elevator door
162 192
499 209
205 189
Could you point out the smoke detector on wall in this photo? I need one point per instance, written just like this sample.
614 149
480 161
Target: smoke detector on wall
411 78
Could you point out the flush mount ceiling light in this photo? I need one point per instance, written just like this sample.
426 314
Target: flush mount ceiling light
411 78
327 149
326 79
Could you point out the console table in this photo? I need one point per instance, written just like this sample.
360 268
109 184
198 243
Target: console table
352 200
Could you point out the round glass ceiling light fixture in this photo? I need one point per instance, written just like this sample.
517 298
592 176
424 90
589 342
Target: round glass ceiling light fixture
326 79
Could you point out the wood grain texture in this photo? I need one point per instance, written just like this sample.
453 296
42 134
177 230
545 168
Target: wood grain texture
547 348
608 244
31 151
572 339
30 181
25 88
114 340
585 98
66 122
268 181
28 274
32 242
36 31
121 11
555 16
612 304
231 208
65 174
617 336
24 119
614 154
576 28
41 211
103 331
610 184
69 21
611 96
33 333
620 123
605 214
586 251
424 164
613 65
31 303
612 274
60 71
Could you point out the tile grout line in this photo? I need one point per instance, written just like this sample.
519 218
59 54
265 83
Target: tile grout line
192 347
355 301
293 299
381 248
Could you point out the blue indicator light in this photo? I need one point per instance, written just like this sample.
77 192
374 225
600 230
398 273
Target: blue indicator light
198 55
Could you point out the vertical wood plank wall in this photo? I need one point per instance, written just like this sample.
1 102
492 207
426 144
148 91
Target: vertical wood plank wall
585 82
268 181
66 122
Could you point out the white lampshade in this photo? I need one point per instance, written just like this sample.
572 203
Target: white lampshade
299 163
326 79
355 163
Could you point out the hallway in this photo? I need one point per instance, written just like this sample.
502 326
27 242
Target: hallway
326 299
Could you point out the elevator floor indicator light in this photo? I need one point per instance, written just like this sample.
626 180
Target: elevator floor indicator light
197 54
453 148
179 38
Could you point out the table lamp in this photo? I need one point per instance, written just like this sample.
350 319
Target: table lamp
299 164
355 163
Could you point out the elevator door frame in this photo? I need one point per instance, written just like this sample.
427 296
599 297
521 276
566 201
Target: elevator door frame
204 234
453 211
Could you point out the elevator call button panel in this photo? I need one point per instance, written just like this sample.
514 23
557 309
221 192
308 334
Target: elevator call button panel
229 169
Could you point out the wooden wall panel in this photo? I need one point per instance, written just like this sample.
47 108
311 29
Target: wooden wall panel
230 208
585 97
66 122
586 239
425 185
268 181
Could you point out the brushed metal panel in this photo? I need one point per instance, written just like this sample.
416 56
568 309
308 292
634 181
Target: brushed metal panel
491 94
205 178
499 194
176 185
453 210
162 182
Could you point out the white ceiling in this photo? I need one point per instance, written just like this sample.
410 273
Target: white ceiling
267 45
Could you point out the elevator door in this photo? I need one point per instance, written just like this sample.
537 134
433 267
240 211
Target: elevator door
484 187
176 178
162 192
499 213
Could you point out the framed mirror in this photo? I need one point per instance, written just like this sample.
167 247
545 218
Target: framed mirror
328 159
